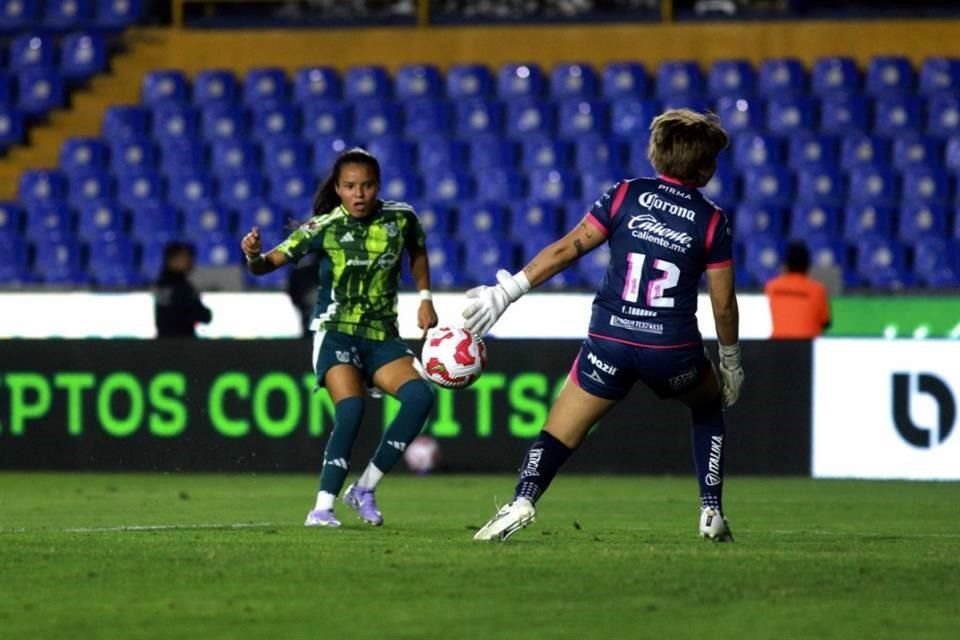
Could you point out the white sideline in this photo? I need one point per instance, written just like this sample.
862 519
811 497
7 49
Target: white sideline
143 527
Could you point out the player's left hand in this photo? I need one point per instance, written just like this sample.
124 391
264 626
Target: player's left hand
426 317
731 373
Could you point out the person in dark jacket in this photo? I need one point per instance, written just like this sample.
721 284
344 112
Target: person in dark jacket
177 305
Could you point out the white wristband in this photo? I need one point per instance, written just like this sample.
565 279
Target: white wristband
252 259
425 294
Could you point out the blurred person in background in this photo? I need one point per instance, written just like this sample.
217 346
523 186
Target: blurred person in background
359 240
302 290
177 305
799 305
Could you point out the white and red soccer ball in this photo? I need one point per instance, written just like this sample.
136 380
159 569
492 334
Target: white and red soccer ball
453 357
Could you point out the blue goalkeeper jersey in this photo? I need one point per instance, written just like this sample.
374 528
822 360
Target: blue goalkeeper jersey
663 235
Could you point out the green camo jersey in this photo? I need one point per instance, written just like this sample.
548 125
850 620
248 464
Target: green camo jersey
359 266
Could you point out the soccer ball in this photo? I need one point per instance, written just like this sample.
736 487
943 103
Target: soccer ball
453 358
422 454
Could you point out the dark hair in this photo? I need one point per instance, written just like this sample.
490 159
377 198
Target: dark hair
326 198
175 248
798 257
684 145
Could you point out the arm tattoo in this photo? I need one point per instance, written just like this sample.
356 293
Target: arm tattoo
579 247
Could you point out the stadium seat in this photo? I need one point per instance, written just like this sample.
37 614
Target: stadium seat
11 127
393 152
374 118
520 80
423 116
865 220
81 56
12 219
240 189
897 115
97 218
316 83
294 191
843 114
446 262
274 120
183 156
203 219
750 221
154 221
631 116
943 115
326 149
679 78
526 116
260 213
32 51
50 220
112 261
881 263
482 219
625 79
118 14
83 154
921 220
18 15
545 152
139 187
500 185
755 150
7 94
14 264
836 74
477 116
59 262
578 117
218 250
763 257
829 252
782 77
888 75
598 152
132 155
401 186
419 81
39 91
265 85
190 190
450 187
914 151
823 185
808 150
469 81
573 80
223 121
768 185
734 78
926 185
215 86
367 83
952 155
552 185
592 267
91 185
62 15
325 118
791 115
491 151
533 217
940 76
740 115
175 121
439 152
165 85
123 122
861 150
593 184
935 263
39 187
281 155
437 219
722 188
814 220
485 254
874 185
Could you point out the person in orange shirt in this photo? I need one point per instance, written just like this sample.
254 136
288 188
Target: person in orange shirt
799 306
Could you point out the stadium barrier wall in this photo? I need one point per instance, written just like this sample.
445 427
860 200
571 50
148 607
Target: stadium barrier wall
249 406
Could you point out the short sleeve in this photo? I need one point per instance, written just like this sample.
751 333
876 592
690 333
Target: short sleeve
414 237
604 210
302 240
719 241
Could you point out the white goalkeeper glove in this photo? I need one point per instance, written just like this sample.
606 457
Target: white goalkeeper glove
731 373
489 303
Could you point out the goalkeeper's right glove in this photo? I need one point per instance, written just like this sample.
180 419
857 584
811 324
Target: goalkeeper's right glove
731 373
489 303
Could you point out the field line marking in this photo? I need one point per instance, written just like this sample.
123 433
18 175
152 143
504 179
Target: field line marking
866 534
143 527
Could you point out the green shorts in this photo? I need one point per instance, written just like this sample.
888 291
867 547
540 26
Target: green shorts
331 348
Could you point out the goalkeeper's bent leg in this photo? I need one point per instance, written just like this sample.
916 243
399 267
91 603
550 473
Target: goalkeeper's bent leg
708 436
540 465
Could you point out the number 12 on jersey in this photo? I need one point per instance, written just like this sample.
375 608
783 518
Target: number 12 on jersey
655 287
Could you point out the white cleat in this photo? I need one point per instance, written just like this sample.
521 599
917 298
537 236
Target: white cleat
713 526
509 519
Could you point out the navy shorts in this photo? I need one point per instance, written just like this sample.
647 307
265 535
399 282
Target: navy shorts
333 347
608 369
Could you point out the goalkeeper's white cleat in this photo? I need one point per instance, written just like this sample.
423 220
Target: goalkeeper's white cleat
713 526
509 519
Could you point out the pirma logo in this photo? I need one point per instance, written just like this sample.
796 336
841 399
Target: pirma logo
919 436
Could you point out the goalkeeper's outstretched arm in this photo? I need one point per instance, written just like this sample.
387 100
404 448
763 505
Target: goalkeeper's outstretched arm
559 255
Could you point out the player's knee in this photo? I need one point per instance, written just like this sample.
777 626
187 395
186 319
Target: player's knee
416 394
348 413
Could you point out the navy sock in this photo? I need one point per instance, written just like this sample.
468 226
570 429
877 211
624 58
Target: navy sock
336 457
416 402
540 465
708 435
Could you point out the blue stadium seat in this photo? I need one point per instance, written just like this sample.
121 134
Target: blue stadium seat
316 83
733 78
553 185
740 115
806 150
573 213
218 250
526 116
273 281
482 219
630 117
763 257
694 103
132 155
419 81
265 85
190 190
50 220
423 116
39 90
151 257
592 267
450 187
293 190
215 86
943 115
224 121
864 220
274 120
889 75
935 263
822 185
750 220
939 76
446 262
59 262
165 85
921 220
11 127
118 14
439 152
183 156
770 185
112 263
926 185
952 155
898 115
874 185
578 117
175 121
374 118
520 80
281 155
478 116
206 218
782 77
723 188
31 51
91 185
827 252
18 15
791 115
393 152
12 219
38 187
545 152
326 149
679 78
269 218
123 122
485 254
240 190
814 220
598 152
469 81
7 95
82 154
324 118
367 82
836 74
500 185
573 80
401 186
97 218
843 114
861 150
755 150
912 151
625 79
437 218
81 56
154 220
594 184
14 263
533 217
490 151
881 263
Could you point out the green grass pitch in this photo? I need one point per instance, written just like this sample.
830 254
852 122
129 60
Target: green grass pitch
217 556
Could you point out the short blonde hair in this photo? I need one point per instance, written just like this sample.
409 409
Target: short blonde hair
684 145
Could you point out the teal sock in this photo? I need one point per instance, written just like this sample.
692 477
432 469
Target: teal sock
336 457
416 402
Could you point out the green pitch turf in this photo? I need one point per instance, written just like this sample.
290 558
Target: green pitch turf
609 557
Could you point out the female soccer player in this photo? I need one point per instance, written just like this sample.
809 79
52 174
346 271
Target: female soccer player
359 240
663 234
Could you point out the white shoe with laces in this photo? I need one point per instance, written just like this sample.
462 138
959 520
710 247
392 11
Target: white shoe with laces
509 519
713 526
